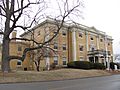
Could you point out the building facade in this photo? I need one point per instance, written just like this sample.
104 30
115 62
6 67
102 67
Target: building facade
75 42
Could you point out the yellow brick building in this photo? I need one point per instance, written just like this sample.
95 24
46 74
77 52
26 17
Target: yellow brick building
75 42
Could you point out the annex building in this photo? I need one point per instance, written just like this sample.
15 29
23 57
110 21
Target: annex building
75 42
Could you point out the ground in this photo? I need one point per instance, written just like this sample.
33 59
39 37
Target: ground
61 74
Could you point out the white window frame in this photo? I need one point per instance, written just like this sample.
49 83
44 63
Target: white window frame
64 59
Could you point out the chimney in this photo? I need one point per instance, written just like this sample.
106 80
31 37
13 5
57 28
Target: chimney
14 33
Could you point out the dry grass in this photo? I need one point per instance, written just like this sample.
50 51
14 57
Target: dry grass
61 74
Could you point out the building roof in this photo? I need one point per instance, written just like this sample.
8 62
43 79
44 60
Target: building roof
70 25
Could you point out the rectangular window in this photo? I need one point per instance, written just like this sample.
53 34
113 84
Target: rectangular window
80 47
64 33
55 33
109 53
108 44
55 60
93 48
64 46
19 48
64 61
55 46
101 40
19 62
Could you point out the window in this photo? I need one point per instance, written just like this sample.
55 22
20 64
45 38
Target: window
19 48
109 53
92 48
101 40
64 61
80 34
91 38
64 46
55 32
19 62
64 33
108 44
55 60
81 48
55 46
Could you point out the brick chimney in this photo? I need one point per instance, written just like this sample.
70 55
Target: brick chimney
14 33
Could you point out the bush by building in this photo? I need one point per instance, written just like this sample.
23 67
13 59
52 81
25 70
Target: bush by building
85 65
112 65
99 66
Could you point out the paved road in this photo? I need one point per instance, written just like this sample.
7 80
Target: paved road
97 83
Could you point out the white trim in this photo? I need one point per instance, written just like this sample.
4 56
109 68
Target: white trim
74 45
97 42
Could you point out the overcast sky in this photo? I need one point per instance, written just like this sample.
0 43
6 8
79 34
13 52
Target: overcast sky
105 16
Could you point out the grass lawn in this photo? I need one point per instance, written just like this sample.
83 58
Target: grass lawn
61 74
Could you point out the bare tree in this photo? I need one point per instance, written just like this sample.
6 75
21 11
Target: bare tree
13 11
42 53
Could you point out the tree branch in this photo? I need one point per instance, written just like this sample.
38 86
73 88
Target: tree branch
24 39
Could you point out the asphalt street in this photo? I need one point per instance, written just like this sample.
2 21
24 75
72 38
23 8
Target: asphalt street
96 83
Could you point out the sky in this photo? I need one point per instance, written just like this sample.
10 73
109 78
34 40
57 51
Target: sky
104 15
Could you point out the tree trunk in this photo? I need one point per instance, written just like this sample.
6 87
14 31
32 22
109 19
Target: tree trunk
5 55
38 68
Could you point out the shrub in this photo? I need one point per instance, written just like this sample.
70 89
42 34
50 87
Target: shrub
80 65
112 65
99 66
71 65
53 66
85 65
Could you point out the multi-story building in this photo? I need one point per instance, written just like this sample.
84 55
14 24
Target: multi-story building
75 42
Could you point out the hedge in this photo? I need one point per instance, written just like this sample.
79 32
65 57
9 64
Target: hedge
85 65
99 66
112 65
